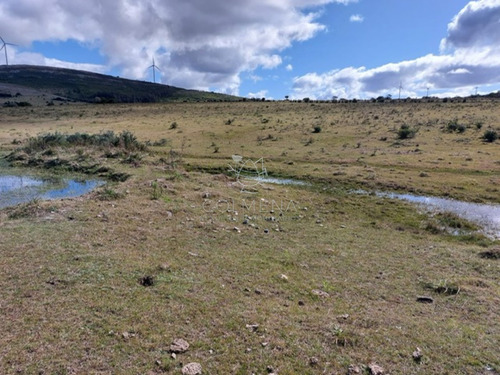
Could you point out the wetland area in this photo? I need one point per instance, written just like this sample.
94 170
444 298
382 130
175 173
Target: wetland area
362 269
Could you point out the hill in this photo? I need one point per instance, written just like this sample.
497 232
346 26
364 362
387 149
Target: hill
85 86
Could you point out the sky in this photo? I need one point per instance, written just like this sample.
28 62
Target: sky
319 49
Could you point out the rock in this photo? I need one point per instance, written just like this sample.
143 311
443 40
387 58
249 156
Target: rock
269 369
376 369
179 346
164 267
353 370
417 355
192 368
284 277
320 293
343 317
425 299
252 327
237 230
205 195
313 361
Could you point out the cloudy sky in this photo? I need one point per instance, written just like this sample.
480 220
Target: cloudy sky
268 48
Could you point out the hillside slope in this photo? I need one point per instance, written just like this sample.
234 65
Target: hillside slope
93 87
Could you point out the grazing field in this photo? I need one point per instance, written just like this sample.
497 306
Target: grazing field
290 279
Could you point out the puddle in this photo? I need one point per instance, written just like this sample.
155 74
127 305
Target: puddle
487 216
20 189
279 181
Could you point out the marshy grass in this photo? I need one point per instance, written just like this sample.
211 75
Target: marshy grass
124 140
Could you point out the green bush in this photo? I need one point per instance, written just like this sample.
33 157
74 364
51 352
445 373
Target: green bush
406 132
490 136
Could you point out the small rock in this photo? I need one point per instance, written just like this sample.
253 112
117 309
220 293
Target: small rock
173 356
376 369
343 317
205 195
192 368
253 327
353 370
269 369
425 299
264 344
258 291
237 230
179 346
284 277
417 355
320 293
313 361
164 267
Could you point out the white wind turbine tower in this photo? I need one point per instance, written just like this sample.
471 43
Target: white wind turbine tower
154 68
400 88
4 47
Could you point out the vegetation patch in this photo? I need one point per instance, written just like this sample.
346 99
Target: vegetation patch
491 254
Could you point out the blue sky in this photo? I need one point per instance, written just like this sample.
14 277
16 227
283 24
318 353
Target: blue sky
269 48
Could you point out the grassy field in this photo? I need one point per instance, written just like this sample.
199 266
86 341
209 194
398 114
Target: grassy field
288 279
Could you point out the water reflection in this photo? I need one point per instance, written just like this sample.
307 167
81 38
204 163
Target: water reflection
21 189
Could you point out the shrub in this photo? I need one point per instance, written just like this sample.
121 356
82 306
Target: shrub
317 129
490 136
406 132
125 140
452 126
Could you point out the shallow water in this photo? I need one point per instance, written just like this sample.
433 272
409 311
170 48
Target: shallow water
21 189
487 216
279 181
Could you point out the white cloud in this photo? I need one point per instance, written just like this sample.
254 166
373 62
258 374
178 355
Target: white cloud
258 95
476 25
289 67
357 18
198 43
472 59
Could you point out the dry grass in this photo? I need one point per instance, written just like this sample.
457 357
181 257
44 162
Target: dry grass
73 296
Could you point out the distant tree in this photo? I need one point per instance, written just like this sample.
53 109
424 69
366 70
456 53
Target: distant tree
306 100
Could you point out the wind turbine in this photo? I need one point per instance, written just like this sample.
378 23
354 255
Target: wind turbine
154 67
4 47
400 88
